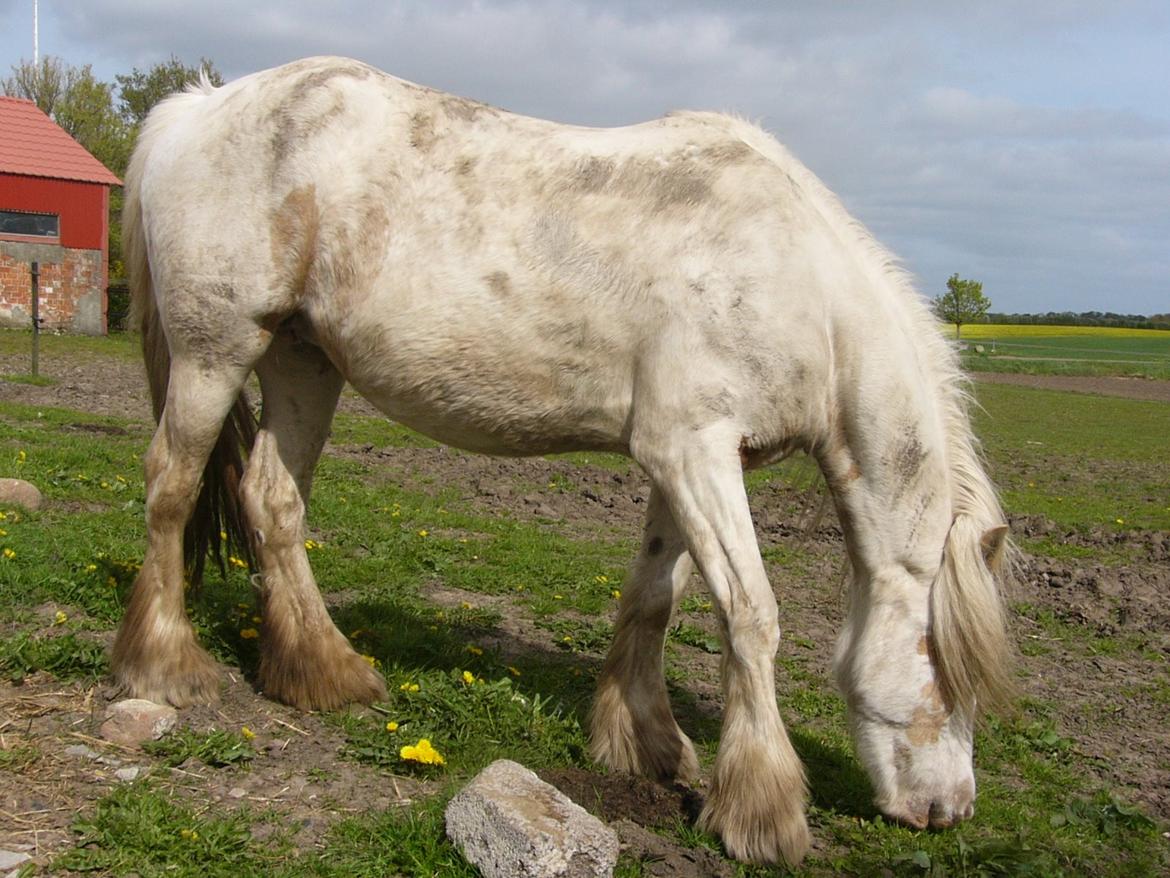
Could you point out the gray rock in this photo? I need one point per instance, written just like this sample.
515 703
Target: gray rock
12 859
81 750
134 720
18 492
511 824
127 774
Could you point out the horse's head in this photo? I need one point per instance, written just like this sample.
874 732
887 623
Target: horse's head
915 674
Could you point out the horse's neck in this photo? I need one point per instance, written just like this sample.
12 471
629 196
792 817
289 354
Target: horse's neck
887 465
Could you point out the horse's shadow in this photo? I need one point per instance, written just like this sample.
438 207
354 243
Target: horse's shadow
402 632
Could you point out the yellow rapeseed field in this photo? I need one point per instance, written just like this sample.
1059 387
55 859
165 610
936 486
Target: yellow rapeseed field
1018 330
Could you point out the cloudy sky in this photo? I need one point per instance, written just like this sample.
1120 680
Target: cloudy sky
1025 145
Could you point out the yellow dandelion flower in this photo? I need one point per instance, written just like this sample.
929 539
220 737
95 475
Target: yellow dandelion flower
9 554
371 661
21 456
465 606
423 532
189 834
223 534
558 597
391 726
422 752
3 532
90 568
247 733
111 582
602 579
616 594
3 516
1120 520
249 634
515 672
237 562
60 618
409 687
473 649
468 677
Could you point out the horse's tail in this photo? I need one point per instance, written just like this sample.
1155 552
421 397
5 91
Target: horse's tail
217 525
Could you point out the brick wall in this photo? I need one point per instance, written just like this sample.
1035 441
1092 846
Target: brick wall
72 296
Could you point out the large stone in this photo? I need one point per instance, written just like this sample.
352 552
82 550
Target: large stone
132 721
18 492
11 859
511 824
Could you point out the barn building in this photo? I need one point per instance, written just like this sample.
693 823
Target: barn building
54 210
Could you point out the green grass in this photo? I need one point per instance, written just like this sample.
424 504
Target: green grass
1146 356
1084 462
121 345
381 548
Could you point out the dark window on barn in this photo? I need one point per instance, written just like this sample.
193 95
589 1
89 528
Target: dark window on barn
36 225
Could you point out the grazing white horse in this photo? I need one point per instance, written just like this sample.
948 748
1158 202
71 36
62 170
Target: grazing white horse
683 291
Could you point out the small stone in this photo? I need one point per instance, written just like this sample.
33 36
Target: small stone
134 721
12 859
237 793
127 774
82 751
18 492
511 824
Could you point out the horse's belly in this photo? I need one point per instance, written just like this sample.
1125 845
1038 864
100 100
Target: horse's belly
498 398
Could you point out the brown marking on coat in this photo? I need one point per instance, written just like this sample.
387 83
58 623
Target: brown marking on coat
499 283
294 240
924 645
925 726
464 109
422 131
592 174
927 721
729 153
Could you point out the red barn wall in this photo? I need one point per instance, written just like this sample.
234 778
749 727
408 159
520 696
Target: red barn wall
73 269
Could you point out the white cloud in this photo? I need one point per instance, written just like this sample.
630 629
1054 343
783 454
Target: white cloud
1027 145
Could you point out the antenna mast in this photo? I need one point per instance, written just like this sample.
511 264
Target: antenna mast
36 36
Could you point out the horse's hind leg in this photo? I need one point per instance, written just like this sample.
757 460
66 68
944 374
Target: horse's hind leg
756 802
632 728
155 654
304 660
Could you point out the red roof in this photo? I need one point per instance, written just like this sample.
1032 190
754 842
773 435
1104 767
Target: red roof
34 145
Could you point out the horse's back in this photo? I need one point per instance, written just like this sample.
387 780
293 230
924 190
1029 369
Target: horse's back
501 282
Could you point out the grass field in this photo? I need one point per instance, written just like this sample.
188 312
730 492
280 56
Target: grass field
1080 350
433 587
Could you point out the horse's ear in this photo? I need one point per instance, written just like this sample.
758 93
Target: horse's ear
992 544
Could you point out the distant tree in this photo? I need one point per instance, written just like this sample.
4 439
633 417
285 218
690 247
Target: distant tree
87 112
44 84
963 302
140 91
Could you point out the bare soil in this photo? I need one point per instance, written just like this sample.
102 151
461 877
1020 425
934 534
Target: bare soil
1104 705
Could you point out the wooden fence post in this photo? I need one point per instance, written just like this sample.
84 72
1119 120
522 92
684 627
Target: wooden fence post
35 300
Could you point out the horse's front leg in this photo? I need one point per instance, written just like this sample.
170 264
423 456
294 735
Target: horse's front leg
757 798
304 660
632 728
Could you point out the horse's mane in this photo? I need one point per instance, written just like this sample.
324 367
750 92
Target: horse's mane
970 638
